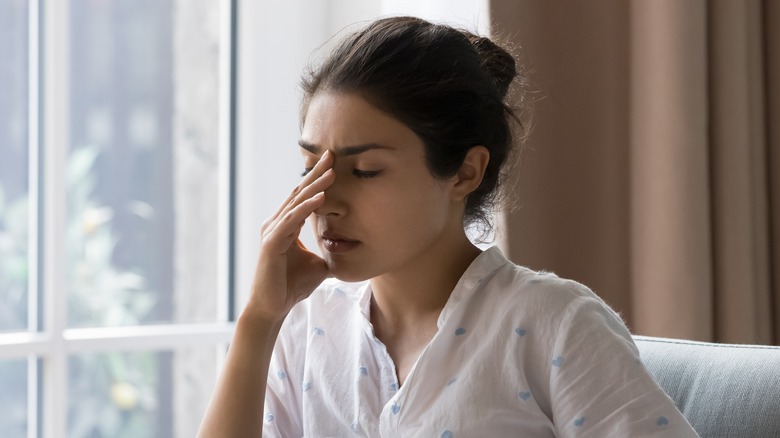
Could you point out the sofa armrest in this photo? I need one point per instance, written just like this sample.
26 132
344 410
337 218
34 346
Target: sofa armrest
724 390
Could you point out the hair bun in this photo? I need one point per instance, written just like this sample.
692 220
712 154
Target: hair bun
499 63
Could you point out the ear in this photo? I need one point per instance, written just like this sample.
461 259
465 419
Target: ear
471 172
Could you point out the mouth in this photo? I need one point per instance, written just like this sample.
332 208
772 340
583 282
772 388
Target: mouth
336 244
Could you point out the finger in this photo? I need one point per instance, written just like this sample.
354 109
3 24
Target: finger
288 226
325 162
319 185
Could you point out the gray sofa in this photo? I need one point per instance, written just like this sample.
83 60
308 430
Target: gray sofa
723 390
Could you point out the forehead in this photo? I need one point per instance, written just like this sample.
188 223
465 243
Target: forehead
337 119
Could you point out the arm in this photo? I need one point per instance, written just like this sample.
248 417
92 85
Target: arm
286 273
599 386
236 407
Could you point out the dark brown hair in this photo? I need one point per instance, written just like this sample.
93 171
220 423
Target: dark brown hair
448 85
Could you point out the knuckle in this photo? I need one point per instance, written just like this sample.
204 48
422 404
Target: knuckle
266 225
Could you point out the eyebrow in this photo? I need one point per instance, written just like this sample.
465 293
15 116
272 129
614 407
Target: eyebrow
345 150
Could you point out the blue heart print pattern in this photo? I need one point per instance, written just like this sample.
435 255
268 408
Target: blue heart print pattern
579 422
343 359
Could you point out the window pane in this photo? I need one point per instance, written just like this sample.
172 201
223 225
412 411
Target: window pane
13 165
13 397
143 161
139 394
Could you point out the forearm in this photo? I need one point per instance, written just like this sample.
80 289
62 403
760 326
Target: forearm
286 273
236 407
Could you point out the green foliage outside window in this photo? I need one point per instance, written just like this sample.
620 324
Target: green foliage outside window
111 394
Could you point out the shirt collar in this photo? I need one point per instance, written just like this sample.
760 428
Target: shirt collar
483 265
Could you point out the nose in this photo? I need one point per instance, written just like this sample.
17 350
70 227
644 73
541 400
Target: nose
335 201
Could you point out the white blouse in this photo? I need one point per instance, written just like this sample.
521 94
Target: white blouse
518 353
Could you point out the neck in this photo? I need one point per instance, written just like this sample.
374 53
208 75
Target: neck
415 294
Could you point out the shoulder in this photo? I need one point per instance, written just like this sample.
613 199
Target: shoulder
504 274
568 311
505 292
542 290
554 305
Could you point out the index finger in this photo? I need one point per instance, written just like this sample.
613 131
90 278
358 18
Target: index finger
325 162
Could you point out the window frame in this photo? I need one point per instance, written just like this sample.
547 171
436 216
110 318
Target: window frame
48 342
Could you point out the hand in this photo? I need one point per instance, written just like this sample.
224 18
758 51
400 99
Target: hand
286 271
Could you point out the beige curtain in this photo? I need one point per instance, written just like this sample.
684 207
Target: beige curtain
653 171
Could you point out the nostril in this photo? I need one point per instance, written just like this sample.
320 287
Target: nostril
332 205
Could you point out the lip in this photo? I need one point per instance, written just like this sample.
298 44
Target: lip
336 243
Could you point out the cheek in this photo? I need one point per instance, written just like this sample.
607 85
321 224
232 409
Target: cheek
411 212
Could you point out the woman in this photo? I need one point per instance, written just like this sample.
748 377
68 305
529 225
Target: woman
404 136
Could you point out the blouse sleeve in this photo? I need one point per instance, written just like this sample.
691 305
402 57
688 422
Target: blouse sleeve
598 384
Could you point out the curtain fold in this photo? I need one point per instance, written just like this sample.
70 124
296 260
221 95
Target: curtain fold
572 198
652 171
771 14
739 178
671 267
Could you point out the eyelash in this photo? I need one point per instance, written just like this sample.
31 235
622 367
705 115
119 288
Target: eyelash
363 174
366 174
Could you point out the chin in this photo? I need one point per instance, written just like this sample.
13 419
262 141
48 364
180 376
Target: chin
346 272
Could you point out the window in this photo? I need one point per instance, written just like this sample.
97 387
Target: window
120 129
116 143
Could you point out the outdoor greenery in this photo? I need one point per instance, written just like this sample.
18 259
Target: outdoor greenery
142 80
13 268
99 293
111 394
13 310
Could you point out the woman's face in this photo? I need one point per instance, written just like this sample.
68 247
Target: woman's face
385 211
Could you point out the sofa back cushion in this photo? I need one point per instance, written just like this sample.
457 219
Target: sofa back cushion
723 390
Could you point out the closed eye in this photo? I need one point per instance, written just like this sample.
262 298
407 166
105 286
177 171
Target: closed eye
366 173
